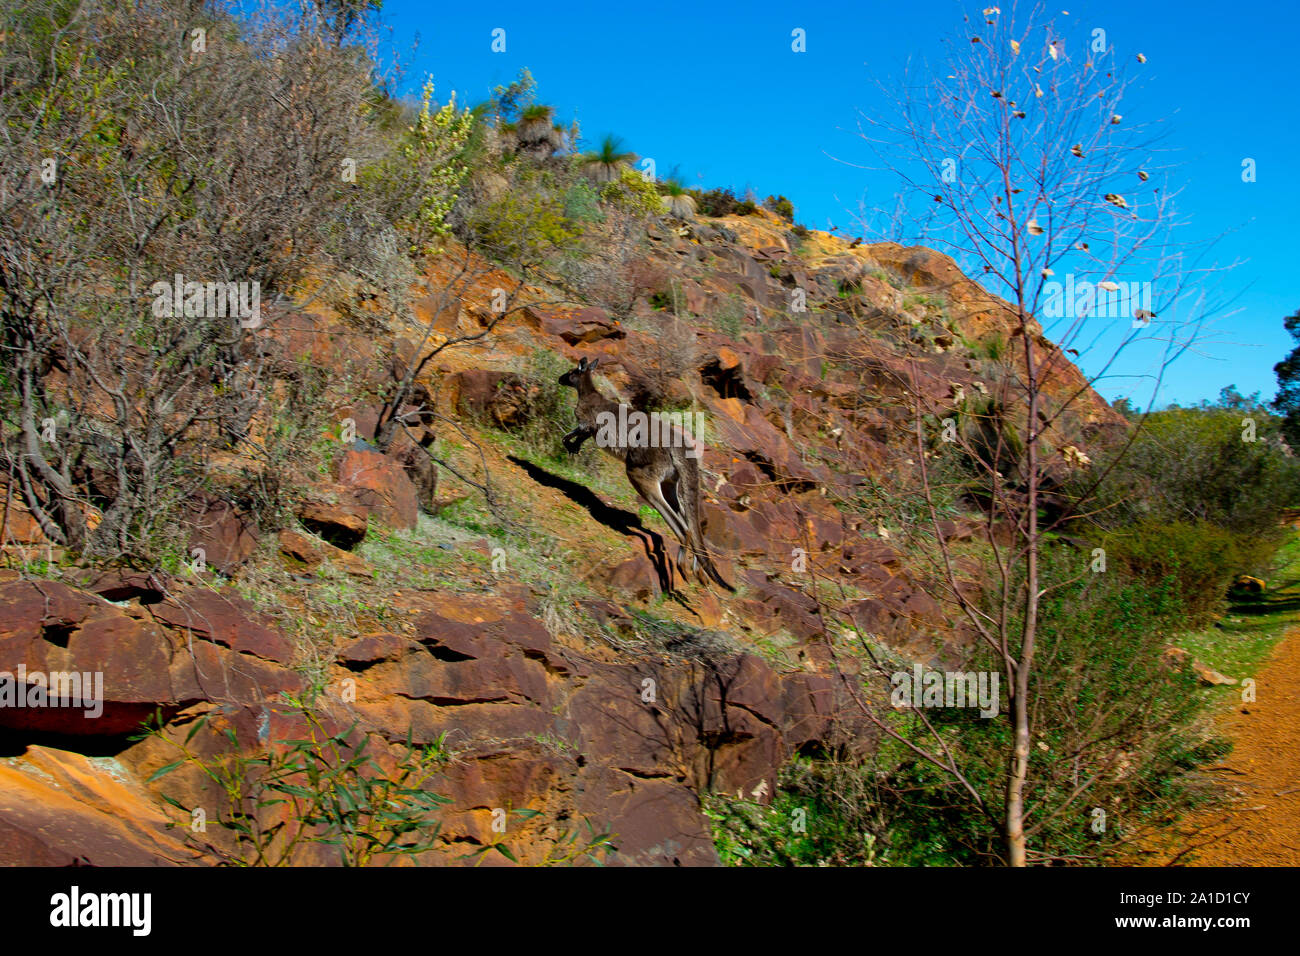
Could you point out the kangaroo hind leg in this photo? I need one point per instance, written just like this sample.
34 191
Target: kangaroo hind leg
672 492
653 494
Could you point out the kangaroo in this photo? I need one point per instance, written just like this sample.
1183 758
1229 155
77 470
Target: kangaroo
666 478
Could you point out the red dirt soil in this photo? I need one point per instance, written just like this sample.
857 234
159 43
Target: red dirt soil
1261 824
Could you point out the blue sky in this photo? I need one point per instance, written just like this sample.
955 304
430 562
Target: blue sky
715 90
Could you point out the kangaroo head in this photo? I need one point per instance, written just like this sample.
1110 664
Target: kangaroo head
574 376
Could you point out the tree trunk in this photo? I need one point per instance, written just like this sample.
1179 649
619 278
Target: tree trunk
71 522
1015 826
1024 665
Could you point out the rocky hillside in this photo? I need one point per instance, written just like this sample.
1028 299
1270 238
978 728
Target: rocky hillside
535 633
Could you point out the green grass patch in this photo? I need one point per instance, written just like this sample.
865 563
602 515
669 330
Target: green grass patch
1242 641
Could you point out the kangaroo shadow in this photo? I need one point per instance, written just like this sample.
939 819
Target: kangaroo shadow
624 522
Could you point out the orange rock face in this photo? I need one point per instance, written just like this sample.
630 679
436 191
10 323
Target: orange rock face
808 360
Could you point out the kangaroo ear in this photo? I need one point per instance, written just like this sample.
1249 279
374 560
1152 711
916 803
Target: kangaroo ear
594 363
582 364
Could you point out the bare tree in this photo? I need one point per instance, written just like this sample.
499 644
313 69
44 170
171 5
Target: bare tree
158 189
1035 181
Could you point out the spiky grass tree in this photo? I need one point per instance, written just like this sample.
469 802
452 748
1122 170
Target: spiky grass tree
536 134
677 198
604 164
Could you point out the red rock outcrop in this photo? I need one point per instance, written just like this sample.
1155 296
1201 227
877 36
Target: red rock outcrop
380 484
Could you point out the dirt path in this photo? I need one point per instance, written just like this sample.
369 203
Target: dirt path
1261 826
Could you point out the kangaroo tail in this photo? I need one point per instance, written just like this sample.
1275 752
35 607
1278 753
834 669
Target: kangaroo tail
692 517
707 563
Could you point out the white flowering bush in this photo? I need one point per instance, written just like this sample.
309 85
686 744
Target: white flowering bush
432 149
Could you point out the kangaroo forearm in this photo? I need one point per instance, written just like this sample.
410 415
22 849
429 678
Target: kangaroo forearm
574 439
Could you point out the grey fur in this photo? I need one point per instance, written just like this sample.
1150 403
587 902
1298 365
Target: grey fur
667 479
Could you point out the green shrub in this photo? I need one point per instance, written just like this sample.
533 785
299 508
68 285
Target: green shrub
523 226
633 193
1197 560
1118 727
992 438
781 206
1198 464
432 146
730 316
721 202
824 813
1110 708
582 203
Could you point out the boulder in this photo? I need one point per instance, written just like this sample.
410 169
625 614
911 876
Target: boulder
410 449
1245 584
122 584
582 326
656 822
501 398
225 619
306 552
226 536
635 576
343 525
381 485
1210 677
526 778
743 429
372 648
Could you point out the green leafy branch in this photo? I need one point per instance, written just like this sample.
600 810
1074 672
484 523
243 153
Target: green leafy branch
329 791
